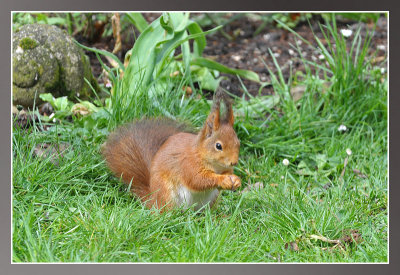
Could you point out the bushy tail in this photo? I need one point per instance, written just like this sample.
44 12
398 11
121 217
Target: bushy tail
129 150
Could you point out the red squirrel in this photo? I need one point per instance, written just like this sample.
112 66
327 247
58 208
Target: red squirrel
168 167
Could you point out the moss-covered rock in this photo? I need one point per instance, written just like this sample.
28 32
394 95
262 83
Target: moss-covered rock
46 60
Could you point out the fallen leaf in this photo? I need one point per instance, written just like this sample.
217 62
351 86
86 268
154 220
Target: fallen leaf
378 59
188 90
292 246
80 109
297 92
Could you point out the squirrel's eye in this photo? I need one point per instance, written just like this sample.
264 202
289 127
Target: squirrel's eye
218 146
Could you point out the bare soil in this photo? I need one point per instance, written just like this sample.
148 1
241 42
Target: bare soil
250 52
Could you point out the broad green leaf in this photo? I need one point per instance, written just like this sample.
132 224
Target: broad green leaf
321 160
154 49
205 78
49 98
199 42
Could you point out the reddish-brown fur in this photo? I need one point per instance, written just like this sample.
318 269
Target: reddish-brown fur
159 157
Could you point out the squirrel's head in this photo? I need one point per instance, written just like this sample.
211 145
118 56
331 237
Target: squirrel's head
218 142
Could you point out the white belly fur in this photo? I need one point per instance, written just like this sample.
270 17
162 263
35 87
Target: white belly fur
187 197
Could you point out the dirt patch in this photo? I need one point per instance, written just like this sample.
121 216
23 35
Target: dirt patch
250 52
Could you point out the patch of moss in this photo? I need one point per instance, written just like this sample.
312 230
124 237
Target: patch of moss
28 43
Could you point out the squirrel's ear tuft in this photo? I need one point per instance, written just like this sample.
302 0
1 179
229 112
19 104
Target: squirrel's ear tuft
229 118
221 96
213 120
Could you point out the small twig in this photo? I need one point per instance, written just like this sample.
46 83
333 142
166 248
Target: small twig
324 239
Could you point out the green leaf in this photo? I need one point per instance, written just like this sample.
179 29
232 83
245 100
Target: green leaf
62 103
48 97
208 63
205 78
154 49
199 42
114 57
138 20
321 160
257 106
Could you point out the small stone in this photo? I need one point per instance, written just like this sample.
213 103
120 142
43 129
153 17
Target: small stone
237 58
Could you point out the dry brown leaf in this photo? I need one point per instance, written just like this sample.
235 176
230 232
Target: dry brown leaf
378 59
188 90
80 109
176 73
297 92
292 246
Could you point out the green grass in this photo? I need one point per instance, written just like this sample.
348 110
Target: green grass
76 211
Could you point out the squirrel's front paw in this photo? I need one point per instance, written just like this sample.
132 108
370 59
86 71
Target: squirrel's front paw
230 182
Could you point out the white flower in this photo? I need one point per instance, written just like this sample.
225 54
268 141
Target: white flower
348 151
342 128
282 177
383 70
321 57
346 33
285 162
291 52
108 84
19 50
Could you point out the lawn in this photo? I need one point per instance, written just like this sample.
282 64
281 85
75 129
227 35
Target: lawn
327 202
